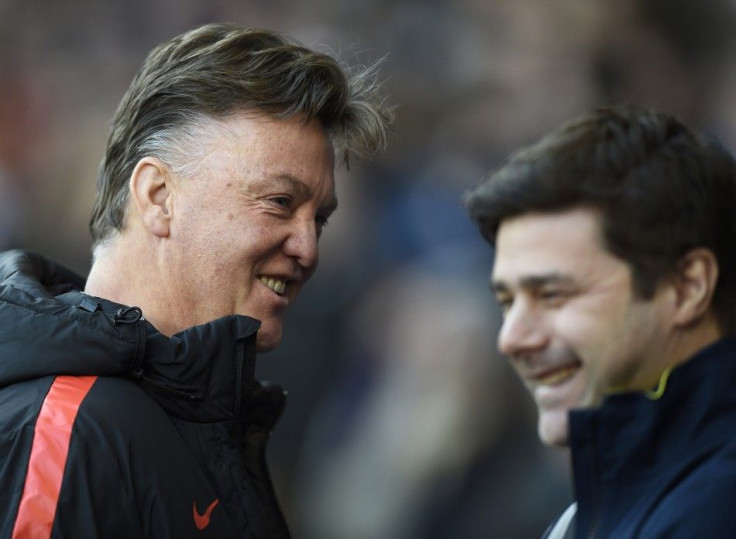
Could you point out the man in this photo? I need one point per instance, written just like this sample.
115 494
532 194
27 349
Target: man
615 267
128 406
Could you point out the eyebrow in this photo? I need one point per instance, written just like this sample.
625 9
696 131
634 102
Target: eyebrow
534 282
301 189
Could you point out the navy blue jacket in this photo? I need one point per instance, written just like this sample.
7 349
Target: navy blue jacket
110 429
663 468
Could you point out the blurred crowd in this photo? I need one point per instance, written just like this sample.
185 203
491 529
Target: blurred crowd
403 421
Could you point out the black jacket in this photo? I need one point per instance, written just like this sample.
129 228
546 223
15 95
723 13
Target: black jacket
110 429
666 467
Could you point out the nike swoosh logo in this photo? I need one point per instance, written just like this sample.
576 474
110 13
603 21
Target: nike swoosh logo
202 521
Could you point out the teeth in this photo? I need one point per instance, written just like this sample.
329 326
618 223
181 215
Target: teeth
277 285
557 377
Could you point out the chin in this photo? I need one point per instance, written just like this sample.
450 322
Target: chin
267 340
266 343
264 348
553 429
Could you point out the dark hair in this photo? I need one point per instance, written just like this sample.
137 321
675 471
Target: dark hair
216 70
661 190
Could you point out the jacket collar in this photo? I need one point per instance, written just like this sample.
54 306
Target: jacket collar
48 327
634 435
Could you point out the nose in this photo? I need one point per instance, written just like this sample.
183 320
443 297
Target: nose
522 332
301 243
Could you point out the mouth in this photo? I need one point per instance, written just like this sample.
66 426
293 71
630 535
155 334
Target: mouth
274 283
557 376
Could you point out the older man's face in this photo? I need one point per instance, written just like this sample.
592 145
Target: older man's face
246 234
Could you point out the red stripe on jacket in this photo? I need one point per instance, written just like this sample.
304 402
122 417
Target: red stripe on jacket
49 452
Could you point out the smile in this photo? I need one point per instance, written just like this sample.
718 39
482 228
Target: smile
277 285
557 377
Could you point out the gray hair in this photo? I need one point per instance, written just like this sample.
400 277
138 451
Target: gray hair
213 71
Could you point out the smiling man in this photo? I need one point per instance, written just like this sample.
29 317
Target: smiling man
615 267
128 406
237 236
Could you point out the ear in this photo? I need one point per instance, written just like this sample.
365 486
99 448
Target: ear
695 282
150 192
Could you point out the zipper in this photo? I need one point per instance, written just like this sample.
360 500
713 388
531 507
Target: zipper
239 367
255 462
595 494
583 431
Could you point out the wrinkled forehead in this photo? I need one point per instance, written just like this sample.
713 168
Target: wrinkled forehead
256 134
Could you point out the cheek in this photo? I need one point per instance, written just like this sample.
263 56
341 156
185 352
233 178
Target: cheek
610 346
590 337
249 233
603 318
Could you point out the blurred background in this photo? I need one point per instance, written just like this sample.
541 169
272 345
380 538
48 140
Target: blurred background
402 421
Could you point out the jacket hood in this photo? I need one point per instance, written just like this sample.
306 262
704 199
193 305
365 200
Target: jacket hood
48 326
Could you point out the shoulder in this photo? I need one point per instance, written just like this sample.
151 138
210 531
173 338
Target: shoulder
119 420
701 504
126 447
77 436
119 403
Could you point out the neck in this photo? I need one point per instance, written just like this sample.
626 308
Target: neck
122 274
108 277
690 341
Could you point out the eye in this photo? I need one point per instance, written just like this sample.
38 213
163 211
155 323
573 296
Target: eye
321 221
505 302
281 201
552 297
